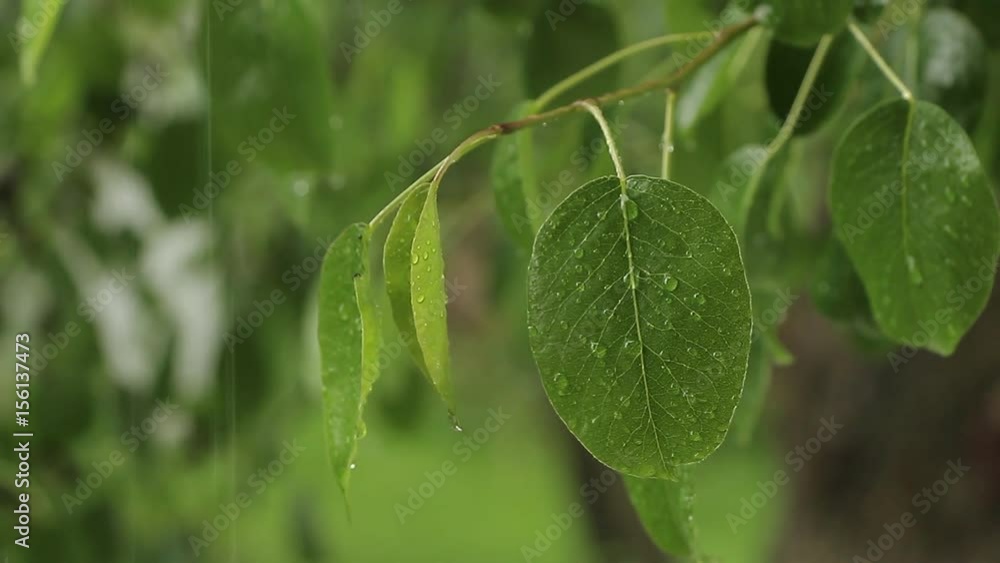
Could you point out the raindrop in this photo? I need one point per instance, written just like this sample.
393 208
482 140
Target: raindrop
916 278
578 252
669 282
631 209
416 259
420 299
699 298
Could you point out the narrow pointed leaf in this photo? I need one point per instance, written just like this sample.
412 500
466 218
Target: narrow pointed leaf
666 510
509 173
912 206
349 341
639 321
428 298
710 84
34 31
397 261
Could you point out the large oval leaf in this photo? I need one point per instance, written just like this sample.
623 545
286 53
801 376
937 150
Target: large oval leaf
804 22
911 204
349 342
786 68
666 510
639 320
952 65
428 297
397 259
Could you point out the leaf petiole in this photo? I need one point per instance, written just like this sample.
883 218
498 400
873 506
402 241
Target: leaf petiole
859 34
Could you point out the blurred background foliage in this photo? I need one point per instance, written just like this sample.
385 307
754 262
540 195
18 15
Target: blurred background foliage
159 240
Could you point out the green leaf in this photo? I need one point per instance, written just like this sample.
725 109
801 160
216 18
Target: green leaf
804 22
428 298
34 30
510 172
952 65
396 260
786 68
912 206
868 11
666 510
565 37
639 321
349 343
709 85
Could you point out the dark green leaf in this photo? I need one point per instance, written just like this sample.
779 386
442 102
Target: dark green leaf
666 510
868 11
786 67
911 204
804 22
349 341
639 320
952 65
565 37
397 259
428 297
837 290
509 173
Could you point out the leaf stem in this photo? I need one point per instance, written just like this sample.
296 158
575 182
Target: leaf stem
879 61
668 133
722 38
609 137
594 68
792 119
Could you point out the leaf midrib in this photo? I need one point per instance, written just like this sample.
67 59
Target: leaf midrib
635 309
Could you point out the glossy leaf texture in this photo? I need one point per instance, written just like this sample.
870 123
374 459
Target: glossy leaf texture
911 204
32 34
397 260
804 22
952 65
429 299
510 170
566 37
639 321
349 342
786 68
666 510
709 85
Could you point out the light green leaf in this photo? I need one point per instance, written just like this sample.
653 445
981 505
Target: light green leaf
511 169
710 84
952 65
34 30
912 206
397 259
804 22
639 321
428 298
349 343
786 68
666 510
